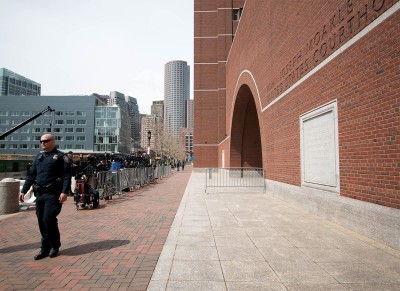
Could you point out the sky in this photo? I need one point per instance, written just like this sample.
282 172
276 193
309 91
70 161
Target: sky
80 47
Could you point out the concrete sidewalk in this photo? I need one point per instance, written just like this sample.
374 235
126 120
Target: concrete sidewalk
243 239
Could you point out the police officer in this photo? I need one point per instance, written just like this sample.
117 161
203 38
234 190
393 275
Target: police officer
50 176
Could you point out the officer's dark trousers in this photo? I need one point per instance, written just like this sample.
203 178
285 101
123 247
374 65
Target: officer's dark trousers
47 209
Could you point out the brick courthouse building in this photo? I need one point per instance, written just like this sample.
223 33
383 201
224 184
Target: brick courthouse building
309 91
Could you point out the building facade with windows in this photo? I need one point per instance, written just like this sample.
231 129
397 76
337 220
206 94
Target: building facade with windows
14 84
189 113
134 117
186 140
149 123
157 109
176 93
71 123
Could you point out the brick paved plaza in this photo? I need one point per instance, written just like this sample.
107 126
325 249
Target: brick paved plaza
114 246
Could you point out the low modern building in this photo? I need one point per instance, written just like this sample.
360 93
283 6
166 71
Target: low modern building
82 124
14 84
72 123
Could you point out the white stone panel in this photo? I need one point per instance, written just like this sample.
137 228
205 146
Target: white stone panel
319 148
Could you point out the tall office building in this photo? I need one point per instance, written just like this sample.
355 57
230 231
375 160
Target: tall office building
189 113
13 84
134 116
157 109
176 92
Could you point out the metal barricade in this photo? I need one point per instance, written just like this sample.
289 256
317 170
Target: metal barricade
235 177
111 183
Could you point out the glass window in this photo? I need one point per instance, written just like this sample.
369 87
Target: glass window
69 121
2 146
25 138
59 113
14 113
47 130
23 146
57 129
69 130
81 138
79 147
59 121
4 122
26 113
80 130
69 137
81 121
57 137
35 146
3 113
13 146
36 129
81 113
70 113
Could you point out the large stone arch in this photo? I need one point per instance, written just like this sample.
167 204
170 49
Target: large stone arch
245 147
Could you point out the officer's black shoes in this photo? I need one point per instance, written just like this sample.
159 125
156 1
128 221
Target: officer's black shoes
53 253
42 254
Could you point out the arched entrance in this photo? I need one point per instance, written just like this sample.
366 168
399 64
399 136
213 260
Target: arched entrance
245 148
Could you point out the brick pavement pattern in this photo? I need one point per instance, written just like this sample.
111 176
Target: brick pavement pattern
113 247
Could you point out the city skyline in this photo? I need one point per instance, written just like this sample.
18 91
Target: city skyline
85 47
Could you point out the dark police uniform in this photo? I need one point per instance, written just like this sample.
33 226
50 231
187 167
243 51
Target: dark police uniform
51 175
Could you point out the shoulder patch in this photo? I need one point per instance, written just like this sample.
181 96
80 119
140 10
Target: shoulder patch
66 159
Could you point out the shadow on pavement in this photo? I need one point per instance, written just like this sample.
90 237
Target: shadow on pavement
94 246
19 248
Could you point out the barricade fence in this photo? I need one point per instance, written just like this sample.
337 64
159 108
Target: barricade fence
235 177
111 183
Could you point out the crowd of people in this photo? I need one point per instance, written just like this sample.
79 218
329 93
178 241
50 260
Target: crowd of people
91 164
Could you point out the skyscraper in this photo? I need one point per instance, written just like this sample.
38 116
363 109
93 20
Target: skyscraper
13 84
189 114
134 116
157 109
176 92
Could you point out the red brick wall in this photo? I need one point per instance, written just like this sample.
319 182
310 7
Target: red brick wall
213 38
278 47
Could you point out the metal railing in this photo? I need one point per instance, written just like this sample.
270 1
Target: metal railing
235 177
111 183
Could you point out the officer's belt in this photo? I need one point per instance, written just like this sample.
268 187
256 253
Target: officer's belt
46 188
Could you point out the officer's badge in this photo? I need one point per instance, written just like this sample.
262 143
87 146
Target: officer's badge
66 159
55 157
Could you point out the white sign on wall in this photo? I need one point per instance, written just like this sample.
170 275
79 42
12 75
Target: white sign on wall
320 148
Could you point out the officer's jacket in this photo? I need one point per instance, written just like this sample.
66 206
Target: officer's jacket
51 169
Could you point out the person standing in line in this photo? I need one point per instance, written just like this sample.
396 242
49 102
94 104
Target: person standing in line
50 176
